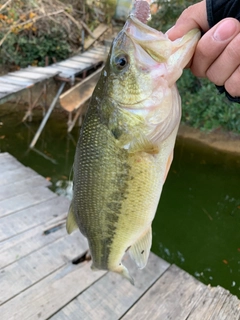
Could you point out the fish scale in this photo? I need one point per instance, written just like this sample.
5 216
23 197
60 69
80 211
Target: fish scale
126 143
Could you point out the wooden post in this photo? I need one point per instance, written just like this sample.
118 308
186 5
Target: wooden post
45 119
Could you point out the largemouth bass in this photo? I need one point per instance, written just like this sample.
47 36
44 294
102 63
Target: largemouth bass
126 144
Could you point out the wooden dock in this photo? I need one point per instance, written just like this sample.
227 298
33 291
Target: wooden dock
39 281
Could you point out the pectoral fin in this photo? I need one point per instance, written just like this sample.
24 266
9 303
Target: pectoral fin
139 252
142 144
71 223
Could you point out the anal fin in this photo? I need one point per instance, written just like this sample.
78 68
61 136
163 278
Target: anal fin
140 250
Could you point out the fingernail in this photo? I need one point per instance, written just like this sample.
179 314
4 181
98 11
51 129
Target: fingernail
225 30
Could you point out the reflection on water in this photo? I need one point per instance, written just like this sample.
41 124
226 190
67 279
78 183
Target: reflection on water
198 219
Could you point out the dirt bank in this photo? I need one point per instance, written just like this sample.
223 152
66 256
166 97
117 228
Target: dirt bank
218 139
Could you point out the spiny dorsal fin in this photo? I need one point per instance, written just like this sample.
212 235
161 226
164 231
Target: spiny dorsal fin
139 252
71 223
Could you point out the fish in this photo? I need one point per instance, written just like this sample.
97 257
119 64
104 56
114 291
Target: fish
126 144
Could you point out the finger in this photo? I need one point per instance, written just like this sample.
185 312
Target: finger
227 62
212 44
193 17
232 84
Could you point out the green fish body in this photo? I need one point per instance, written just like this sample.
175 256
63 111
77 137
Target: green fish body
126 145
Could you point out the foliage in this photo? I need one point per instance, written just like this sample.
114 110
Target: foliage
168 13
25 50
203 107
32 32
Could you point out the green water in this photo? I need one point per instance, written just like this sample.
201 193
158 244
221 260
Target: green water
198 220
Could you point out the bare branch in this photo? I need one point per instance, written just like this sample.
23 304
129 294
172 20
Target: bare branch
5 5
78 24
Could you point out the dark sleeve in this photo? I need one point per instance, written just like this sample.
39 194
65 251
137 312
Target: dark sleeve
220 9
216 11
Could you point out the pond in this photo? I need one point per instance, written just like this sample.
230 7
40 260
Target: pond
198 219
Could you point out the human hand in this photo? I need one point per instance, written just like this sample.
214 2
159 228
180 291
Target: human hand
217 54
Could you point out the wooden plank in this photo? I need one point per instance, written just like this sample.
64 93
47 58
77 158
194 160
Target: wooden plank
98 32
25 200
80 93
22 173
17 80
88 61
173 296
22 186
111 296
43 70
31 217
8 163
22 244
211 304
49 295
27 271
230 309
29 75
6 88
4 154
74 65
63 71
93 55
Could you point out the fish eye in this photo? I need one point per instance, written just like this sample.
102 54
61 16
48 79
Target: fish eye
121 62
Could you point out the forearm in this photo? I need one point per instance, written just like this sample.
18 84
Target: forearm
220 9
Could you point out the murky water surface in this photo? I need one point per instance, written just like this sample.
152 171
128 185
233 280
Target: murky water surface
197 225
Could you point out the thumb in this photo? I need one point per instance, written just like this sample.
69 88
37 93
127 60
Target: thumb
194 16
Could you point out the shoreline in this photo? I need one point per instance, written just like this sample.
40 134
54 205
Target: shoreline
218 139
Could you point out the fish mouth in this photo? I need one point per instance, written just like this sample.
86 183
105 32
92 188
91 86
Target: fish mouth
135 103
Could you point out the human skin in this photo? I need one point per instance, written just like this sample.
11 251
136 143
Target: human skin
217 55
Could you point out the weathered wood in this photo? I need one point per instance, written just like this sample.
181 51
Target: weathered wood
22 186
63 72
48 296
44 70
25 200
27 271
17 80
19 174
98 32
9 163
32 216
8 87
80 93
216 304
22 244
172 297
73 64
111 296
230 309
34 76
